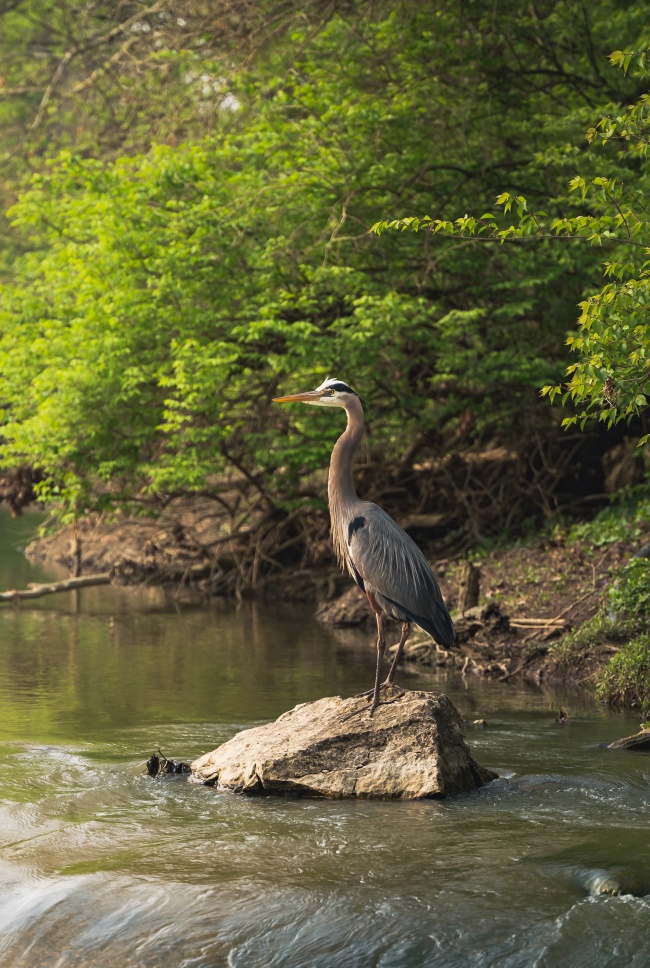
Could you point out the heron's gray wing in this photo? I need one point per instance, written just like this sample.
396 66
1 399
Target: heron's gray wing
390 562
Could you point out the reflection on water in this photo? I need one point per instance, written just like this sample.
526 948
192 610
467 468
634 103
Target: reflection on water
101 866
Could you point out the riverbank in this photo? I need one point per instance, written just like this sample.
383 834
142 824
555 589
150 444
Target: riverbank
200 551
537 614
534 600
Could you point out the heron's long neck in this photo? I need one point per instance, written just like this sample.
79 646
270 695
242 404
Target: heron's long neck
340 488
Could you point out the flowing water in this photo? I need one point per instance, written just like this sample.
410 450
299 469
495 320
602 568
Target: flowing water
102 866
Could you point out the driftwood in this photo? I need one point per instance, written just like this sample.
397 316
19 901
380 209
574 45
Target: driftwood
640 741
539 623
551 624
36 590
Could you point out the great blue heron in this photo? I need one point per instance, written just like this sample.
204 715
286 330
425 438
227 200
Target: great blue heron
383 560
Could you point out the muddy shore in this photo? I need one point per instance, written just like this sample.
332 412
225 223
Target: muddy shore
529 597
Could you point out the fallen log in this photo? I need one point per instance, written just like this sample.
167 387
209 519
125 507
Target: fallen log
37 590
640 741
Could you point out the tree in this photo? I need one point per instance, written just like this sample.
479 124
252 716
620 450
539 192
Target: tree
611 380
167 295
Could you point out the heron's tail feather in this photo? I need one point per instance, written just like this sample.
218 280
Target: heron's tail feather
441 628
439 625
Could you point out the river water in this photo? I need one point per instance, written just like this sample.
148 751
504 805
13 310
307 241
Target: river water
102 866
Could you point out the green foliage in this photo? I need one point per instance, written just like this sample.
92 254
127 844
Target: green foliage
622 618
625 681
104 78
621 520
111 77
577 646
165 297
630 595
611 381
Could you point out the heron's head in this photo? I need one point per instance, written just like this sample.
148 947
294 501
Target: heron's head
331 393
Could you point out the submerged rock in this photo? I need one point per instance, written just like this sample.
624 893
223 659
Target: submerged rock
639 742
159 765
412 747
616 882
597 882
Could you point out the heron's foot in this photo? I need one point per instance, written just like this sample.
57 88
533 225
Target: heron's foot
370 707
370 692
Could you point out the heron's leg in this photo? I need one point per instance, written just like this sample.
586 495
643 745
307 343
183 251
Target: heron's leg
374 692
381 646
406 631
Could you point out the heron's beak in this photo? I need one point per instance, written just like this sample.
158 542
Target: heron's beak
310 396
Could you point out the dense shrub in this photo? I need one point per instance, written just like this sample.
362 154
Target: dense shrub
625 681
165 297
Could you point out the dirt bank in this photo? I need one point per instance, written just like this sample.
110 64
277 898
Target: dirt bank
237 538
199 551
530 597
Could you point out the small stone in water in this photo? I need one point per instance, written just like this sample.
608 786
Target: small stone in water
160 765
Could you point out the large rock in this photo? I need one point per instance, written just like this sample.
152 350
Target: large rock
412 747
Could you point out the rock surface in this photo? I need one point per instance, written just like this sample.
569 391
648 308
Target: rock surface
412 747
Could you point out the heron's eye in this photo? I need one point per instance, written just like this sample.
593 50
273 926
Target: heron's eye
329 393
